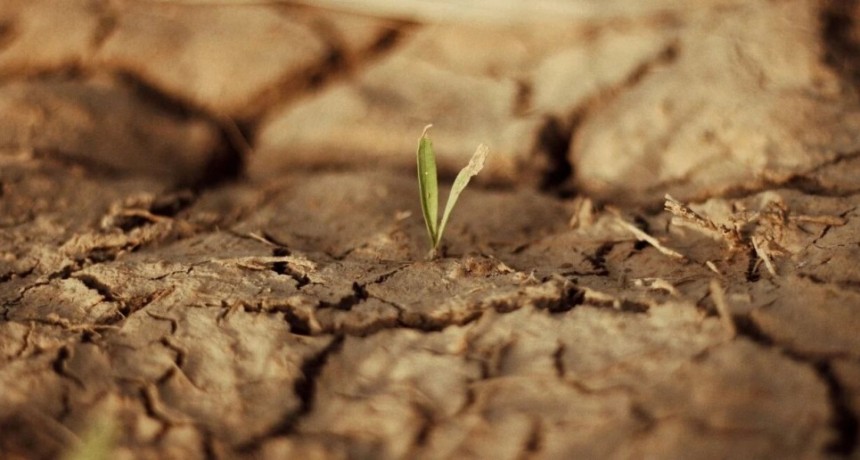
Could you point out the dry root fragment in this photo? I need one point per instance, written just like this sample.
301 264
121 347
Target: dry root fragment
642 236
834 221
764 255
705 225
657 284
713 267
400 216
583 214
261 238
766 231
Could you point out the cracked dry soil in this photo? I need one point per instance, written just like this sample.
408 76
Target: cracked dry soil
210 233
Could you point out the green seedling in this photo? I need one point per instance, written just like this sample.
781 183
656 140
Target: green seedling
428 186
97 443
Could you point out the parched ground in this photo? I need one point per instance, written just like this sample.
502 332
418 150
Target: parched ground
211 244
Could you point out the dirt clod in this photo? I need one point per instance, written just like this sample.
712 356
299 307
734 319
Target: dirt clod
210 232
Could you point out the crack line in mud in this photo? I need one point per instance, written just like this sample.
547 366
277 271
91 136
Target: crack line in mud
180 357
125 308
298 325
108 19
305 390
209 450
598 260
152 406
337 64
25 342
427 422
59 366
9 276
567 297
558 360
174 323
556 138
828 227
338 50
358 295
284 268
227 162
801 181
95 285
844 421
848 285
8 33
535 440
841 47
385 276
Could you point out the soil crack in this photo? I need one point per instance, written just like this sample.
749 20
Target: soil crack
284 268
842 50
558 360
227 162
844 421
305 389
107 25
94 284
59 366
556 138
535 440
359 294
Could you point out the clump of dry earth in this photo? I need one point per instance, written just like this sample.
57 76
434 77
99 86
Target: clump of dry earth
211 234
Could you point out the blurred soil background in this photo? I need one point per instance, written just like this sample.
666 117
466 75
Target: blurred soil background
211 241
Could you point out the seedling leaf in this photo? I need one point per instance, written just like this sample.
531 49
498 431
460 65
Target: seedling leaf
476 164
97 442
428 186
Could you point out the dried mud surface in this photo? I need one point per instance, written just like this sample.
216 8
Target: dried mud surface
210 235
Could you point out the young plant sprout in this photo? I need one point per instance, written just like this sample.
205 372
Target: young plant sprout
428 186
97 442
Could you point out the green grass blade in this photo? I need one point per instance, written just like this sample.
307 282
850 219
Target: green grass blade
97 442
475 165
428 185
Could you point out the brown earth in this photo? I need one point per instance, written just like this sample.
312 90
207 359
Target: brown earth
210 236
